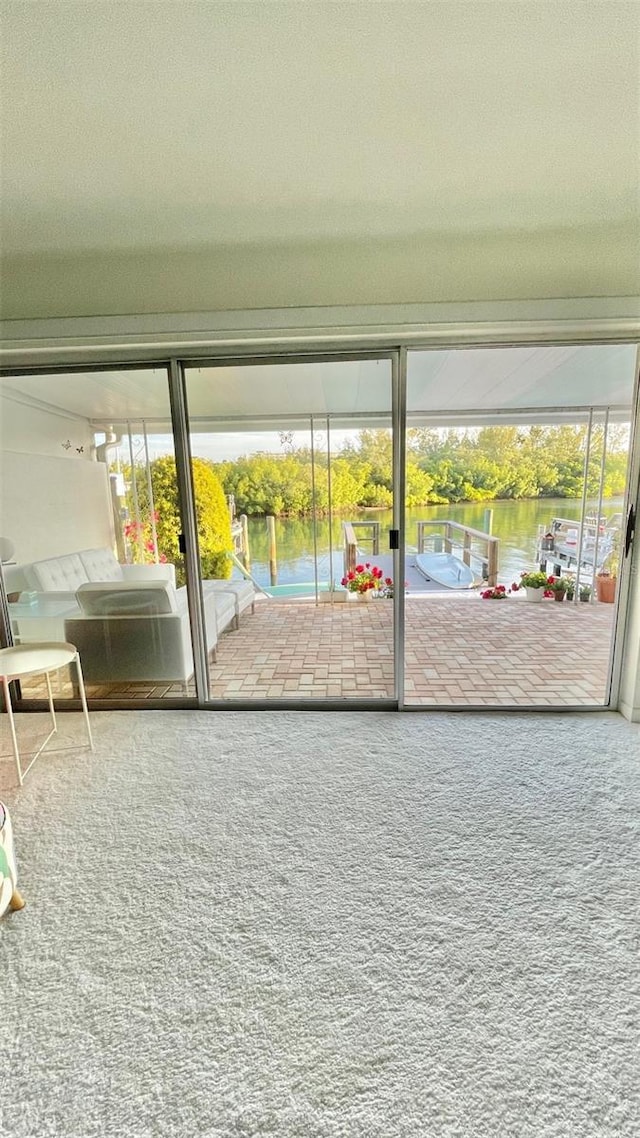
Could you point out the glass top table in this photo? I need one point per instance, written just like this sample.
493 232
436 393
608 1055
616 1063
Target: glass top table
42 619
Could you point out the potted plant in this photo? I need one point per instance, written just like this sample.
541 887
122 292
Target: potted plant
585 593
607 578
571 588
365 581
535 582
558 586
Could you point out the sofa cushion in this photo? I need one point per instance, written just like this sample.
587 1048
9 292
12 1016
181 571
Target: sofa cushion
57 574
126 598
100 565
243 592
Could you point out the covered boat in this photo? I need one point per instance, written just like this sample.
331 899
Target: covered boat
445 569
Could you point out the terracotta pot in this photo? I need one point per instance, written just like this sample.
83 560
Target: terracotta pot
606 589
558 596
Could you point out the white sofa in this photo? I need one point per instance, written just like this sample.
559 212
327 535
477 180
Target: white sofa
129 622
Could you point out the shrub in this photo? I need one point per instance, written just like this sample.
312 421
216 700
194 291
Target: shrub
212 516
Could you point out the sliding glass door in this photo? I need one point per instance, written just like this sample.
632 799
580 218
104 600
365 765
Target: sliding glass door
220 531
291 462
516 477
90 530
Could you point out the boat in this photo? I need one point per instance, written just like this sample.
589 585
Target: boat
558 545
445 569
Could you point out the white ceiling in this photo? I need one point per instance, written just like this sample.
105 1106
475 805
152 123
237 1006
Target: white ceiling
165 123
279 395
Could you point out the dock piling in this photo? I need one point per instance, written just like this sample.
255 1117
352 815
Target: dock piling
244 530
273 556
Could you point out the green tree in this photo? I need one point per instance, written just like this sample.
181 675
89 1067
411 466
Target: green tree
212 516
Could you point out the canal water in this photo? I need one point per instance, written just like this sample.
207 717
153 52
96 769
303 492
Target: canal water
514 522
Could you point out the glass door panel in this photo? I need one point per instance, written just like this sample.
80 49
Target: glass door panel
516 464
293 481
90 520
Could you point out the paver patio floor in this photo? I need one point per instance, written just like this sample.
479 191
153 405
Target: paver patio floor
459 651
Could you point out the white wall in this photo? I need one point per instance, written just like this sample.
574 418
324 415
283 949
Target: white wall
52 499
30 429
599 261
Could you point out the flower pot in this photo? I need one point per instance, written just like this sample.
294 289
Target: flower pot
606 589
534 596
558 596
364 596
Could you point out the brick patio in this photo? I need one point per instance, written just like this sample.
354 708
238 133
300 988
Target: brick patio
460 651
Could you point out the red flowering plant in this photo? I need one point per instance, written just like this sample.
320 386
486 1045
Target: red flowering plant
534 579
366 578
496 593
387 588
140 538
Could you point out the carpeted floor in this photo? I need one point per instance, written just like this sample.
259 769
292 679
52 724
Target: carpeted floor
326 926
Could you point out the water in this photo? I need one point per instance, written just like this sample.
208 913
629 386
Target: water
515 523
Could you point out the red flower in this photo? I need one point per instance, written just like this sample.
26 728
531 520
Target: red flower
388 581
497 593
367 578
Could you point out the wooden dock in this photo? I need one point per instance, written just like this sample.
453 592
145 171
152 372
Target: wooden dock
478 550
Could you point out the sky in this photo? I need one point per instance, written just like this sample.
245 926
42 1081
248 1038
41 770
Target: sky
231 445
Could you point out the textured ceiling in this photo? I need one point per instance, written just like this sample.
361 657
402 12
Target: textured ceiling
168 123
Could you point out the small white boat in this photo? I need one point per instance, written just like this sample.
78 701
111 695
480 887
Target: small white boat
445 569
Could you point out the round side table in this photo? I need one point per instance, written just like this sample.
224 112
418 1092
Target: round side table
32 660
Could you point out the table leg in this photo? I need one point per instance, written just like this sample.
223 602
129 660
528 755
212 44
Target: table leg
83 699
12 727
54 725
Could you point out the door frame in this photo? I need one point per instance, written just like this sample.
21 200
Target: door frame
106 343
178 377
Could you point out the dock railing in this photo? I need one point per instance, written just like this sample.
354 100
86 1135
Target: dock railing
239 533
477 549
354 532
